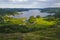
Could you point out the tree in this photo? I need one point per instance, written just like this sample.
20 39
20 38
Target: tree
50 18
38 16
31 19
1 20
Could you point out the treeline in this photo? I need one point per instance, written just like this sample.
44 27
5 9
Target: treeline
56 11
11 25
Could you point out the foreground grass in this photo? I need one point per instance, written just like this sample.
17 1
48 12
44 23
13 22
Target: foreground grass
43 34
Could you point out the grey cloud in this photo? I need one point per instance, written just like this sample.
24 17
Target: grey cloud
46 3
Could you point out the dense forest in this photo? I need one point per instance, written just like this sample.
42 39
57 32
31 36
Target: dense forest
34 28
56 11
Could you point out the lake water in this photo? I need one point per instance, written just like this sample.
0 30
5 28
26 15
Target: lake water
31 13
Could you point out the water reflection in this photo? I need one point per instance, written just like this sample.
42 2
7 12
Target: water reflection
31 13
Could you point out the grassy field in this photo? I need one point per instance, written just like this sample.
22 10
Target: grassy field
44 34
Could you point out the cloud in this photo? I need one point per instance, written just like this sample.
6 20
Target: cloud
42 0
29 3
55 5
15 1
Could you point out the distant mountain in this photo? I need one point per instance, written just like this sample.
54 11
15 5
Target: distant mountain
51 10
19 9
12 11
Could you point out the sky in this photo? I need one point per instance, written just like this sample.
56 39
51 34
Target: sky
29 3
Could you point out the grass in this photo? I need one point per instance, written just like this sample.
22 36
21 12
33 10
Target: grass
43 34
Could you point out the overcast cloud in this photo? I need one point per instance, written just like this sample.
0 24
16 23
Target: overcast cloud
29 3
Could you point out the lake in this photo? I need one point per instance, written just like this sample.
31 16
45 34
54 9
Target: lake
29 13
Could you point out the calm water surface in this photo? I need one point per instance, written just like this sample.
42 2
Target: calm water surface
31 13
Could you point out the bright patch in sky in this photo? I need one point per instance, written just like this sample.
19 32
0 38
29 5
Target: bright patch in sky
22 0
18 0
42 0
